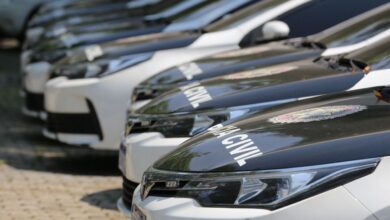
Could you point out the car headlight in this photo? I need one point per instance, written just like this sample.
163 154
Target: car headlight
166 80
78 71
125 62
100 68
269 189
144 92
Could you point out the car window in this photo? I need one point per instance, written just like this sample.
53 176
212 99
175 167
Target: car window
320 19
383 63
240 17
323 14
376 55
195 12
359 35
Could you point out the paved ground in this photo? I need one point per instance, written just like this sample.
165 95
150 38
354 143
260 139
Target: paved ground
41 179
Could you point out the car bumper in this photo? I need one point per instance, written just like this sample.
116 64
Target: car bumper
334 204
127 193
72 117
33 102
123 209
74 128
25 58
34 79
35 76
133 161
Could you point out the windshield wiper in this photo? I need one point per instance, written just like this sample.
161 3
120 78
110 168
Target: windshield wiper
344 64
314 45
305 43
355 65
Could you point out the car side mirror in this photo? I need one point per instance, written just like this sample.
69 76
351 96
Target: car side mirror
275 29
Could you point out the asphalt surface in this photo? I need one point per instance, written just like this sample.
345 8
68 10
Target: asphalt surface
42 179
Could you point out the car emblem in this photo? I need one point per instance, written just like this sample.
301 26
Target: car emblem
261 72
172 184
317 114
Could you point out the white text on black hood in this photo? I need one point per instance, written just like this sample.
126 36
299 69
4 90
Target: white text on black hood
239 145
196 94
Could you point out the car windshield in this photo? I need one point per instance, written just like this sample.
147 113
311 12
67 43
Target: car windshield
214 11
244 15
350 32
356 29
194 14
184 7
197 11
375 55
361 35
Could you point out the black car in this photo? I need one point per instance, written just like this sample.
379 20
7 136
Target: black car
197 106
310 154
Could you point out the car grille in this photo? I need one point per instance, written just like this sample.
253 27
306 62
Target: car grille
128 190
34 101
75 123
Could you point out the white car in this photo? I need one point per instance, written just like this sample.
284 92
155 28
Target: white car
190 17
322 158
92 111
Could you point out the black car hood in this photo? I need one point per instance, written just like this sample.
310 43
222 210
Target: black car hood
149 43
280 82
118 58
328 129
231 61
134 45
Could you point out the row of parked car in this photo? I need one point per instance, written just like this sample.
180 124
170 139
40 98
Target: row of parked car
222 109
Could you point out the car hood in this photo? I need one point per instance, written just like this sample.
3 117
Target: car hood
231 61
280 82
328 129
132 45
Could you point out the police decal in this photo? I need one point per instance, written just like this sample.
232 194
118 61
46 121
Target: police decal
240 146
190 70
196 94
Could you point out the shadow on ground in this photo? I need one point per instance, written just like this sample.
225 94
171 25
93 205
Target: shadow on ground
104 199
22 145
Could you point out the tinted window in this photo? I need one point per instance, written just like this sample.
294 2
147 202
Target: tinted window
321 14
231 21
316 16
362 34
376 55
